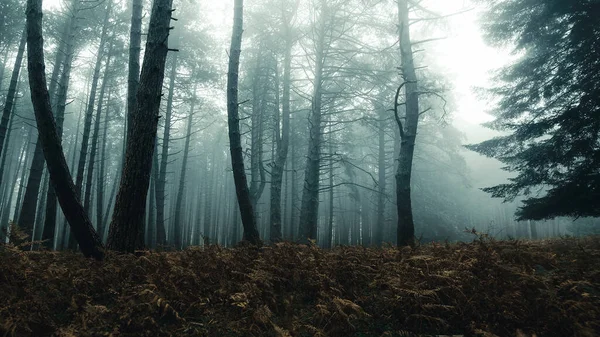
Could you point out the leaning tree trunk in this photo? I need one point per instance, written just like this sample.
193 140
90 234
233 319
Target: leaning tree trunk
408 132
233 121
12 90
61 103
186 149
88 239
126 232
283 143
161 182
309 209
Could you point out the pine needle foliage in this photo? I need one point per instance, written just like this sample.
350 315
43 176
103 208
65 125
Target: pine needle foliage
548 105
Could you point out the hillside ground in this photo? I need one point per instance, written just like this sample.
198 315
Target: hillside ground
487 288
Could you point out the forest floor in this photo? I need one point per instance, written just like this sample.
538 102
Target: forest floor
487 288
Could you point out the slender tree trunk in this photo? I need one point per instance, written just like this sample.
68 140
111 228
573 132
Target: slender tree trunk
12 90
178 204
101 178
88 239
381 182
235 141
22 162
7 144
135 47
309 210
87 123
30 198
126 231
164 156
94 145
154 237
294 191
22 179
257 169
406 226
283 143
331 192
40 215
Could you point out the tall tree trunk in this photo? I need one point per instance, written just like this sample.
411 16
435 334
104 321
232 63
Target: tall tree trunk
331 192
126 232
22 162
309 209
88 239
408 134
133 72
156 235
294 189
257 169
381 181
161 182
233 121
61 103
283 141
12 90
94 145
30 198
87 122
22 179
40 215
7 143
186 149
101 178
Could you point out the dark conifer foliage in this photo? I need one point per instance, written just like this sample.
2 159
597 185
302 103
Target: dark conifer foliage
549 104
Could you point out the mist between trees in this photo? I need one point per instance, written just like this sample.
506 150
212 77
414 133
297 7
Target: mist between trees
191 123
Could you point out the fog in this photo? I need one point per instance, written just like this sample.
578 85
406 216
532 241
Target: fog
349 48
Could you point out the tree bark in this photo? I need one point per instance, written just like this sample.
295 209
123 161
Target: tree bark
161 182
30 197
283 141
186 148
381 181
22 179
309 209
12 90
126 233
87 204
408 132
88 239
61 101
133 72
101 178
233 120
87 123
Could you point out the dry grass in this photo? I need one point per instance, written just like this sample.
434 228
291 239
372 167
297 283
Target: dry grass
488 288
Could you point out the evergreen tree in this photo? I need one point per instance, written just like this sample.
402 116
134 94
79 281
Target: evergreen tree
548 106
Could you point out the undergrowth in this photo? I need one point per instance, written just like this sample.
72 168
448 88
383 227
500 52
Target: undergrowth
487 288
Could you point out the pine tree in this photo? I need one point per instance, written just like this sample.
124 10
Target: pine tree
549 106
